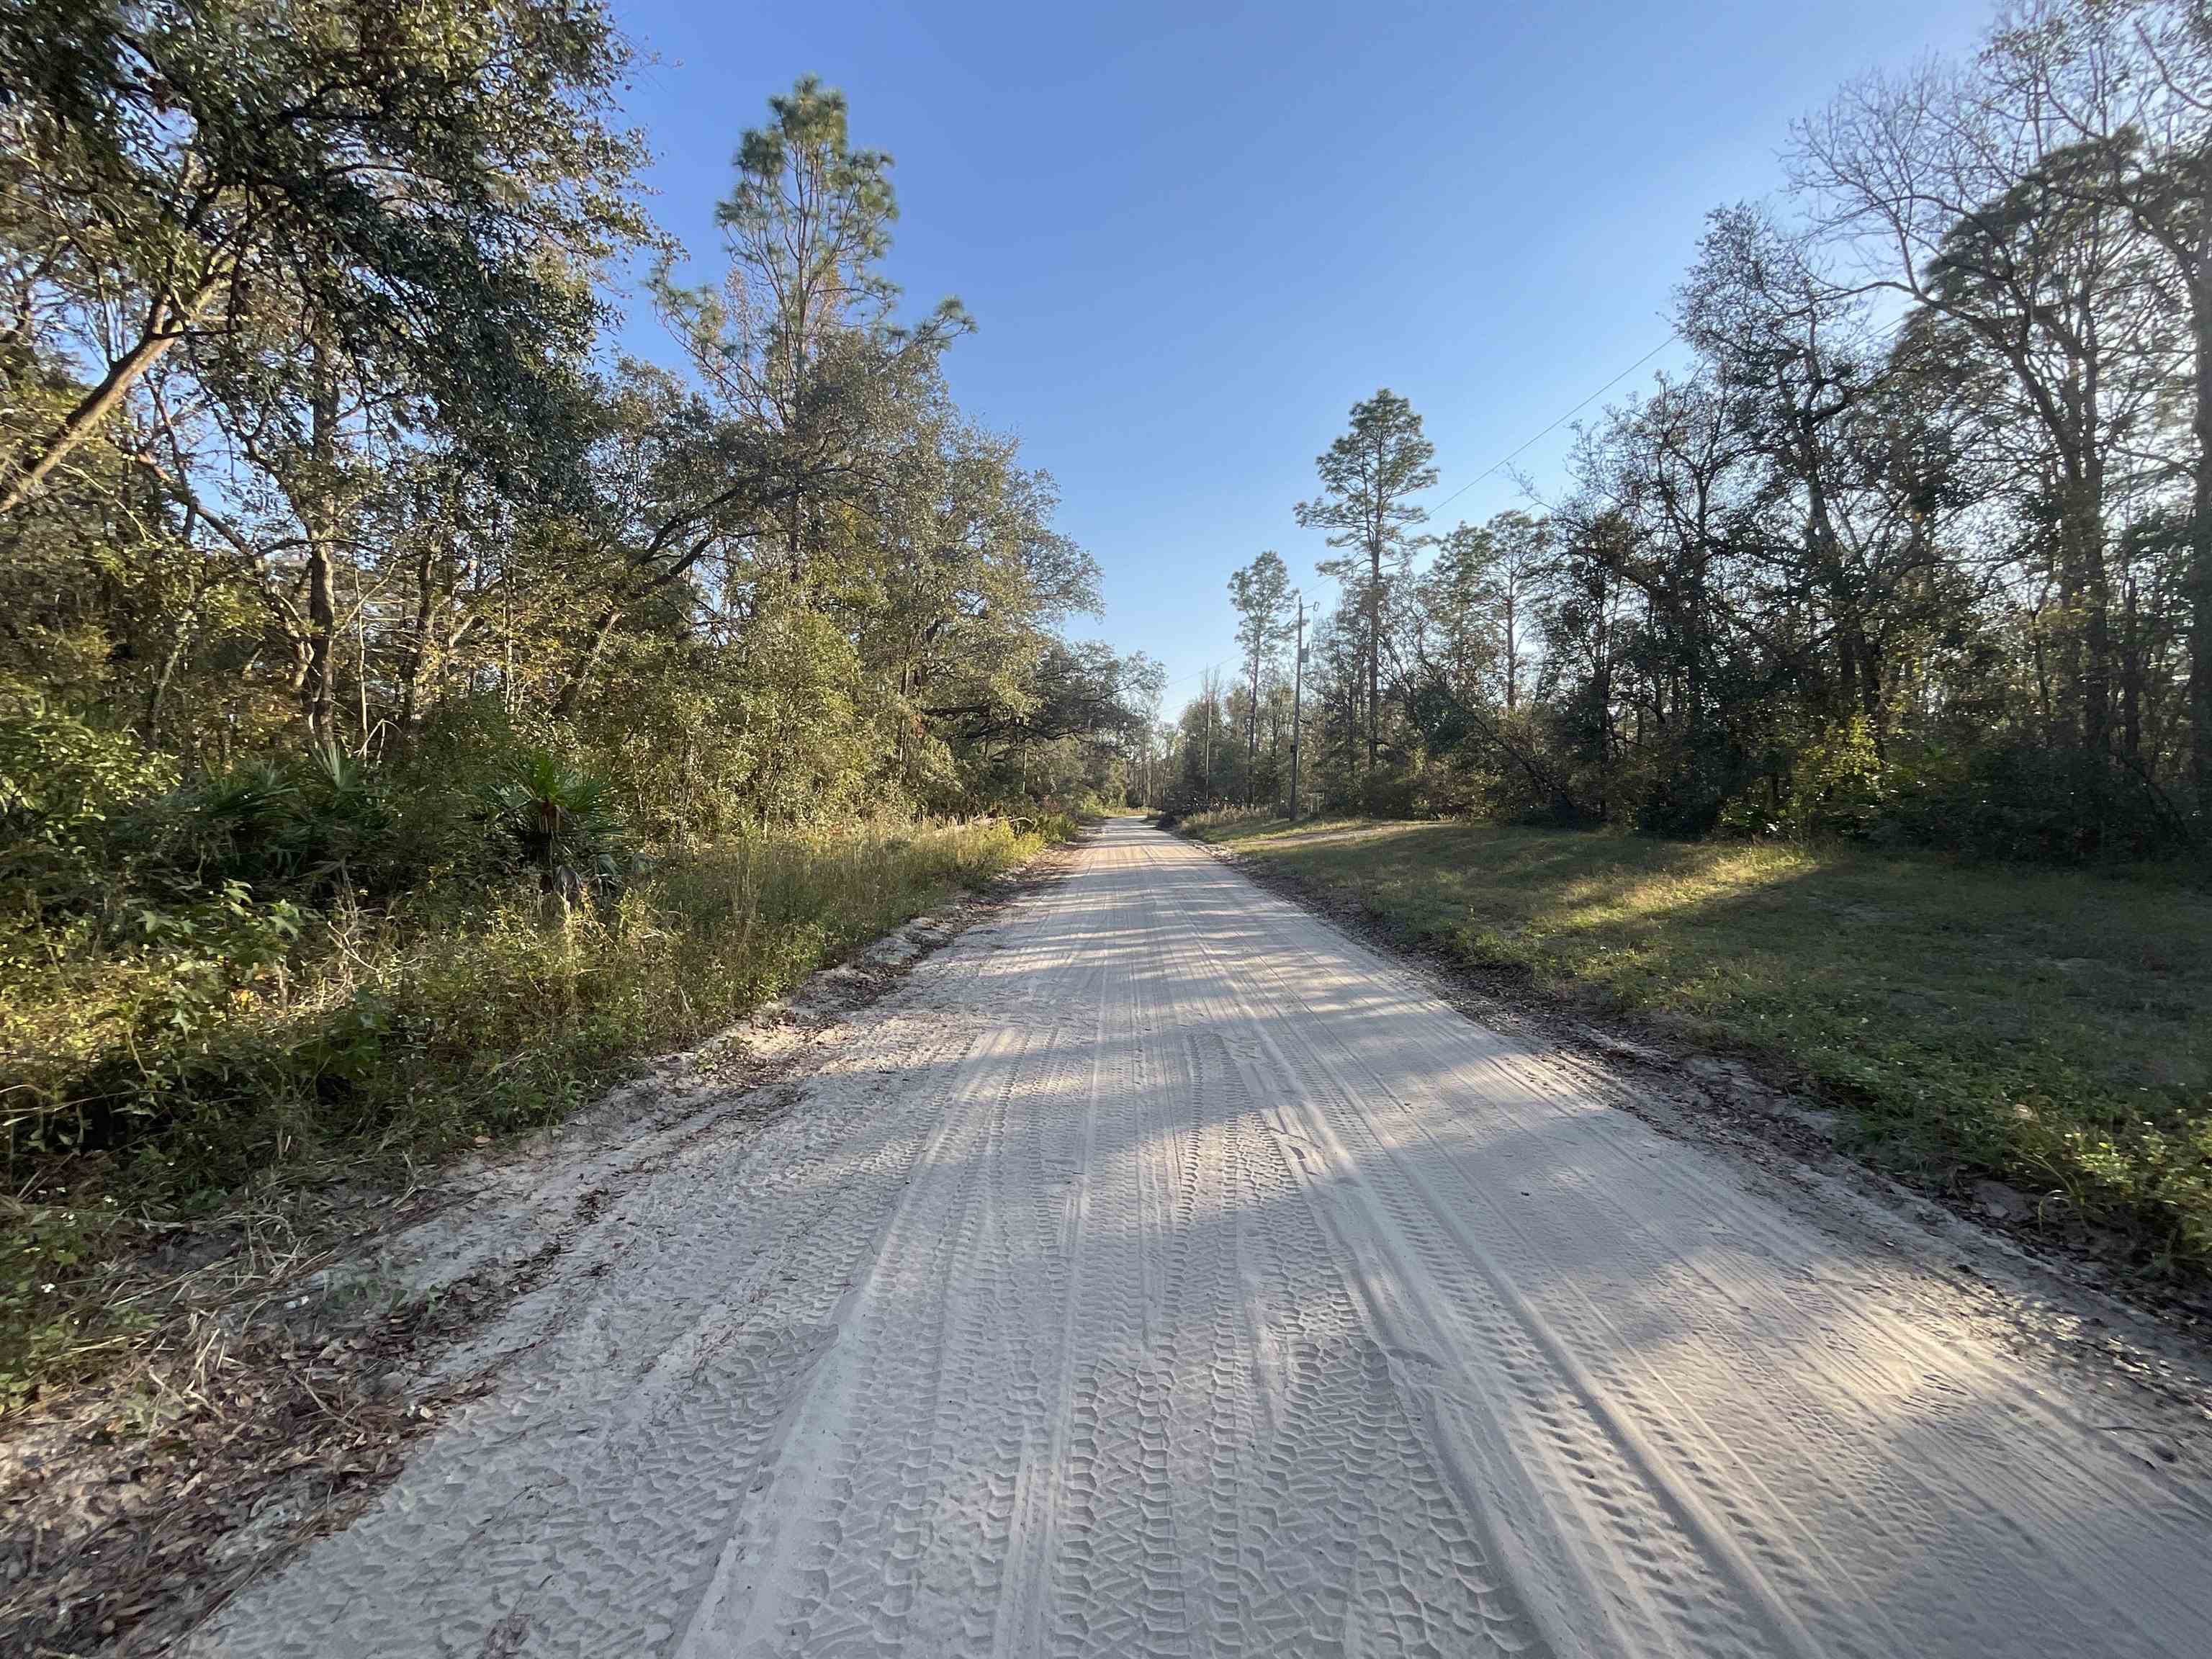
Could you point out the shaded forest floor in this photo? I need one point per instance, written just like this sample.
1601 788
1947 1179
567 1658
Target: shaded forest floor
2035 1041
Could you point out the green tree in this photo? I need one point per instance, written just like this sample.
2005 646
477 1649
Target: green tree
334 233
431 187
2130 81
1482 598
1262 594
2033 298
800 337
1368 476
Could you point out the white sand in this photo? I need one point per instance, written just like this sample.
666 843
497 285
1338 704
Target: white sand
1157 1273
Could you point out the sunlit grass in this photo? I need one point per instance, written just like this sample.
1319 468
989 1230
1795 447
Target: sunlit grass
2054 1027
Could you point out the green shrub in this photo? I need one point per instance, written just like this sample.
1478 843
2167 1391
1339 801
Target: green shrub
317 823
2030 802
557 820
50 1329
64 783
1692 779
1052 829
1837 789
196 1050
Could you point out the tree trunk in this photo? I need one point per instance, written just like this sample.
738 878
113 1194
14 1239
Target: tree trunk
2130 678
180 642
360 658
1374 646
2199 595
580 672
1252 734
1847 667
2088 528
320 523
158 693
1297 697
1512 652
1604 677
1206 804
1870 700
422 648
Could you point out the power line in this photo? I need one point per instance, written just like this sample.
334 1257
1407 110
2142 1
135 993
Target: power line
1509 460
1195 674
1883 336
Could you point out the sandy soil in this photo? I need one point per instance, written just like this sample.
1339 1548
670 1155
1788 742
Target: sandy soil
1158 1272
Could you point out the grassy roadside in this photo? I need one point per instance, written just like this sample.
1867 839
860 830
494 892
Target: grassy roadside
2053 1029
369 1047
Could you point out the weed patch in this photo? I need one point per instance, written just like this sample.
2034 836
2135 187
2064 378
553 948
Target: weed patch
246 1050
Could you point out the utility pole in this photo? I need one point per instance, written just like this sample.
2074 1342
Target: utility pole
1297 693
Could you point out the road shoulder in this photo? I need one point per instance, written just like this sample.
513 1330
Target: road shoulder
2068 1307
138 1505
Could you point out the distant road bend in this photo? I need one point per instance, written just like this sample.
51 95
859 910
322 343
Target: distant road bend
1156 1272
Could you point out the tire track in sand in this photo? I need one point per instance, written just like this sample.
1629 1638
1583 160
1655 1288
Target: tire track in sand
1159 1274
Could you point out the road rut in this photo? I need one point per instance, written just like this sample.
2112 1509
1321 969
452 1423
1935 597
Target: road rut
1159 1274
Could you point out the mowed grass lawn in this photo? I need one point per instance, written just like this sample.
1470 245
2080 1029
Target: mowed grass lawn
2051 1028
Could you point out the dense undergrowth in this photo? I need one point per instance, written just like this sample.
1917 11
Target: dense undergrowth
2043 1027
215 996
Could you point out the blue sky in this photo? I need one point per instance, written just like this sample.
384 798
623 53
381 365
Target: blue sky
1193 235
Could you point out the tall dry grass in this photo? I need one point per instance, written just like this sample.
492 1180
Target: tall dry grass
148 1088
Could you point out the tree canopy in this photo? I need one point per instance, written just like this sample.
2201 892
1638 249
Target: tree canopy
314 441
1916 546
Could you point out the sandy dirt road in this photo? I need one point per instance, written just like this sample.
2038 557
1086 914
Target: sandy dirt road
1157 1273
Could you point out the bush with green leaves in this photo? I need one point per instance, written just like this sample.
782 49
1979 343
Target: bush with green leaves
64 783
557 820
1831 786
2028 802
244 1045
319 822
